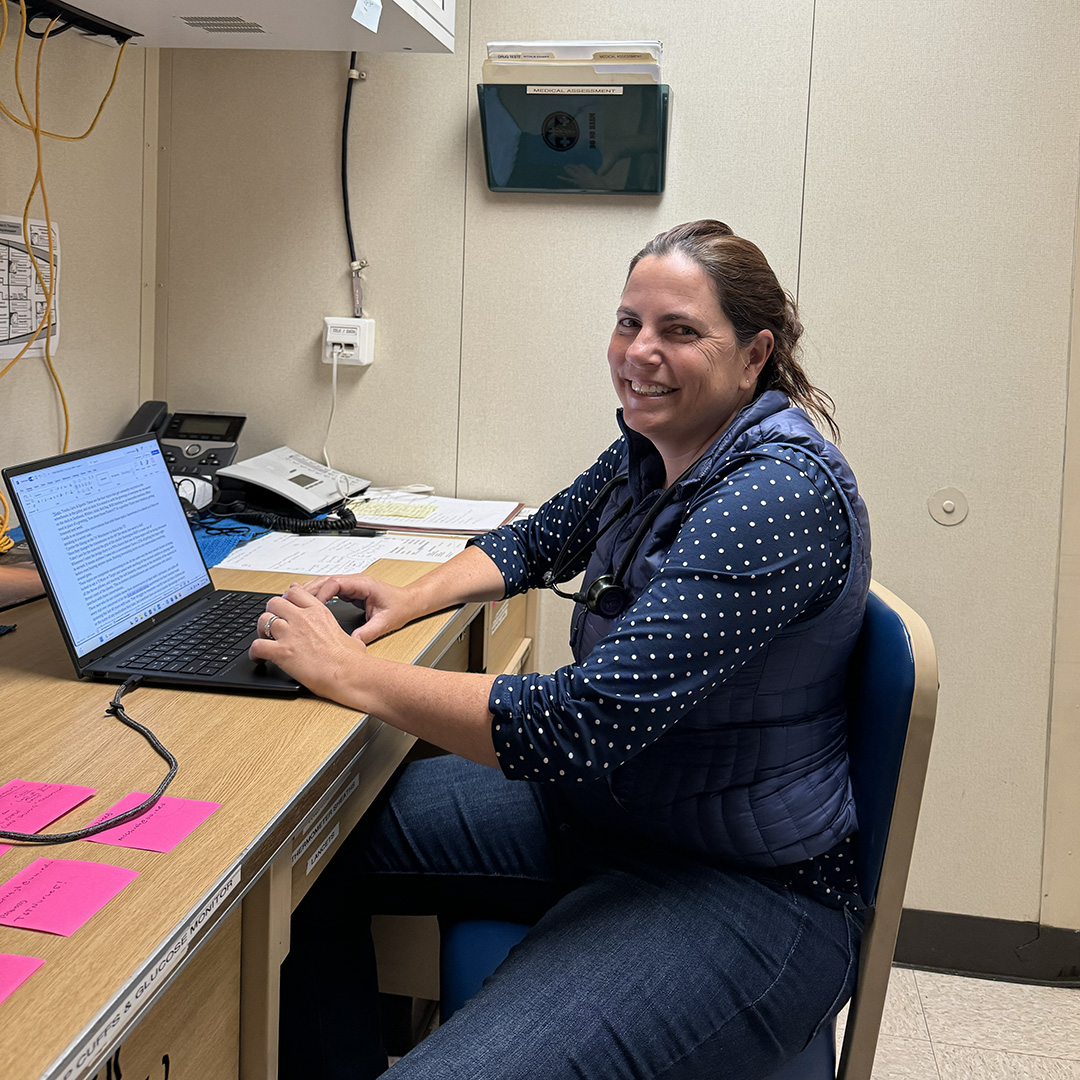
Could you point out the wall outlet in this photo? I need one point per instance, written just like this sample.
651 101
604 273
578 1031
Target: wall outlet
353 339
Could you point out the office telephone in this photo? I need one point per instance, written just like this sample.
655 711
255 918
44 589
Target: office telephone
285 480
194 443
263 488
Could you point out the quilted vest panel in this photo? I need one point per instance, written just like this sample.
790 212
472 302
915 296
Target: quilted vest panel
757 773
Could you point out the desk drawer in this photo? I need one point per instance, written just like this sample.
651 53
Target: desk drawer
505 631
335 816
456 657
193 1029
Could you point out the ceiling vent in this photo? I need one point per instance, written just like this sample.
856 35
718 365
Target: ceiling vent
222 24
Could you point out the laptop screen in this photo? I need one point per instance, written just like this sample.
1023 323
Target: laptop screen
111 537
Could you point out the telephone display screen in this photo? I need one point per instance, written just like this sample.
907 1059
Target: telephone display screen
195 426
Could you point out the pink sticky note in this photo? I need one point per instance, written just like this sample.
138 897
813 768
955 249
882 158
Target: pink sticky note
59 895
161 828
27 805
14 971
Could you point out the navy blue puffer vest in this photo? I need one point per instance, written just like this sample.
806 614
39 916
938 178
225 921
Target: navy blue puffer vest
757 774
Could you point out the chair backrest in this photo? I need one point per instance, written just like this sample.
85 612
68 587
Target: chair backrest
892 701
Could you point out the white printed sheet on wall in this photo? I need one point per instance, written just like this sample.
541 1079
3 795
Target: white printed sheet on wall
23 289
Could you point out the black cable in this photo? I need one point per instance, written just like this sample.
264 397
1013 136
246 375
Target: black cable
611 584
343 520
117 710
563 558
552 575
71 16
219 530
52 33
345 159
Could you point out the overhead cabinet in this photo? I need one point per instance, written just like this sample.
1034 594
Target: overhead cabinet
319 25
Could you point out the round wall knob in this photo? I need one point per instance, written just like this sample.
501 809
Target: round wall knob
947 506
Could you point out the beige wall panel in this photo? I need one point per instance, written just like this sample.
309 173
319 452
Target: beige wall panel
935 282
1061 859
95 196
543 273
258 253
936 273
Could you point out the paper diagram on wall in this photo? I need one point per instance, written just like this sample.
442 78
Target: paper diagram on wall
22 290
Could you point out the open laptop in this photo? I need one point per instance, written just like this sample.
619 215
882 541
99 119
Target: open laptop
125 577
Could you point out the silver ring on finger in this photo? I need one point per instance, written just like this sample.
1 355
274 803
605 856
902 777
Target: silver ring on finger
266 631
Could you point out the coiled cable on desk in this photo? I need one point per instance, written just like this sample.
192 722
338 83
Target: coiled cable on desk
117 710
342 520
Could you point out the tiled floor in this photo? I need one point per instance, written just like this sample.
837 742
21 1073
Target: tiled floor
943 1027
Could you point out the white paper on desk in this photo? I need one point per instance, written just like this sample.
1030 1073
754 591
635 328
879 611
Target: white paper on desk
405 510
288 554
426 548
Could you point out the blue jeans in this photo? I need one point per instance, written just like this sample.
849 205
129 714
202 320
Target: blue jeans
645 962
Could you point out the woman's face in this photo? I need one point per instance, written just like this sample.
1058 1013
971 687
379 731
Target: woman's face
676 363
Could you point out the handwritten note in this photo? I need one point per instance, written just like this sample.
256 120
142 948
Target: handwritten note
14 971
367 14
161 828
27 805
59 895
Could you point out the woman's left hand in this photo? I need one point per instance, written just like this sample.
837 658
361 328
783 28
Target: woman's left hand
299 634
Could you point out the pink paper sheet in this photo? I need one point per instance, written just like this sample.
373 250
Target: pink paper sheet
28 805
161 828
14 971
59 895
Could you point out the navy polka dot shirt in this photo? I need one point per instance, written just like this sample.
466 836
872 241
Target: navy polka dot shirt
754 551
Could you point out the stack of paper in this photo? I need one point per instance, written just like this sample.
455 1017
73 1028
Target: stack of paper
577 63
404 511
419 528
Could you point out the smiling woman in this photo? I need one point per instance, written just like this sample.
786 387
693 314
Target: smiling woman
751 301
672 809
676 362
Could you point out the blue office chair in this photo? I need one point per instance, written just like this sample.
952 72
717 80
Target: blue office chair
892 701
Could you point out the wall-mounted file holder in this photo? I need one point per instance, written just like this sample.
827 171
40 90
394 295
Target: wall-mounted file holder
583 139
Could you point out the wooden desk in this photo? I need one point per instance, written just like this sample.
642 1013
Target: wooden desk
293 776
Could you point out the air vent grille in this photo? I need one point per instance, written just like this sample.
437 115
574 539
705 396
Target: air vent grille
222 24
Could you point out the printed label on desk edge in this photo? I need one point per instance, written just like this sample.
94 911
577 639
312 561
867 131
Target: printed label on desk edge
321 824
130 1006
127 1010
323 848
213 903
500 614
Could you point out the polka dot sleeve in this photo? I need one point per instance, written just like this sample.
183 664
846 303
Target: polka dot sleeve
753 553
523 551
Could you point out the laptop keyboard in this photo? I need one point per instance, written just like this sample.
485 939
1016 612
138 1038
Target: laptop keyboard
209 642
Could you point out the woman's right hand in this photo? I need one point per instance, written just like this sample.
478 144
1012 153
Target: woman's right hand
386 607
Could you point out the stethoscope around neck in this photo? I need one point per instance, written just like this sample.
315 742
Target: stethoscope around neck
606 595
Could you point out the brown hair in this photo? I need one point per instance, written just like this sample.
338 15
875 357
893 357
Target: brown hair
752 298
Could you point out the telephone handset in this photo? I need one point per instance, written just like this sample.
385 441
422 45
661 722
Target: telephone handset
193 443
